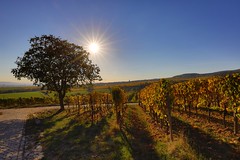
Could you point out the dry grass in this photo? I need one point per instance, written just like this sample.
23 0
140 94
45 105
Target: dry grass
181 149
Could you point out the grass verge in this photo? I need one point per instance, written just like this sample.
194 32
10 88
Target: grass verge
68 136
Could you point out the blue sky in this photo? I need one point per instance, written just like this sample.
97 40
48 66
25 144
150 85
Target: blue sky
140 39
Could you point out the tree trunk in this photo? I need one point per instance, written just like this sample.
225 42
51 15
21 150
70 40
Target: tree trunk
169 108
224 116
161 123
196 110
235 122
123 109
189 110
61 97
78 105
170 125
151 111
92 108
118 117
185 108
117 110
144 108
209 113
68 103
139 102
92 115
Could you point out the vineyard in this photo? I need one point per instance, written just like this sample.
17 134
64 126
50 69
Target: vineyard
210 105
221 95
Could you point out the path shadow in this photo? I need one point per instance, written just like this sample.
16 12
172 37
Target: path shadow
11 132
204 144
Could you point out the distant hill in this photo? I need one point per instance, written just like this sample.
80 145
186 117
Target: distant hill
14 84
196 75
181 77
177 78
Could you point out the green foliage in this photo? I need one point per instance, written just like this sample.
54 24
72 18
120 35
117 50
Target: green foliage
118 96
119 99
56 64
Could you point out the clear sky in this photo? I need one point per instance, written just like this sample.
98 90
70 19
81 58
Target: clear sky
141 39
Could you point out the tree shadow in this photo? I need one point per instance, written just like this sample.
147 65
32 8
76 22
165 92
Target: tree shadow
217 120
72 141
11 139
58 111
77 139
78 134
203 143
216 117
139 138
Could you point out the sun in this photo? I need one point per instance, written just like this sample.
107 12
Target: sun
94 47
96 40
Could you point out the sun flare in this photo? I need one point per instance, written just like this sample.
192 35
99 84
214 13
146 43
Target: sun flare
96 40
94 47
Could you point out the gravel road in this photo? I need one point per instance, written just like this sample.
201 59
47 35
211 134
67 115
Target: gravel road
12 123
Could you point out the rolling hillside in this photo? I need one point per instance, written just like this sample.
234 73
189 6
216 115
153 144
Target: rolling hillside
196 75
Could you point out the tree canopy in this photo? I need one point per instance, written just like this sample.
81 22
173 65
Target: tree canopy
56 64
119 99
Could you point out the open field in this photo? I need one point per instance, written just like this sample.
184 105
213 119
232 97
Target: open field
41 94
18 89
32 91
22 95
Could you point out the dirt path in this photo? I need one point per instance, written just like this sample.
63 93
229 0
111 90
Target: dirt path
12 123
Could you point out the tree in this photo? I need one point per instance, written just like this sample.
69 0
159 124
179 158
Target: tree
119 98
57 65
